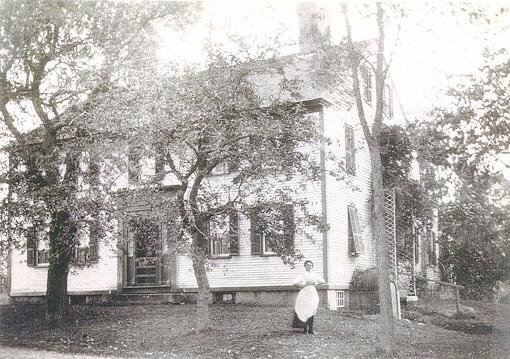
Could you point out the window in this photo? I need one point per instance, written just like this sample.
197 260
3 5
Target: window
366 77
134 166
272 229
340 299
86 249
388 101
38 252
354 234
432 248
350 150
159 162
220 169
225 168
225 297
224 235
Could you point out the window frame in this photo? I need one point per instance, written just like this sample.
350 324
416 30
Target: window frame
232 234
287 235
134 170
388 100
366 76
337 299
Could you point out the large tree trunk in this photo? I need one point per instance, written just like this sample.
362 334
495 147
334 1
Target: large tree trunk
62 234
387 343
199 255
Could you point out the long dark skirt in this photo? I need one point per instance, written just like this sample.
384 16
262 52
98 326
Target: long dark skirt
297 323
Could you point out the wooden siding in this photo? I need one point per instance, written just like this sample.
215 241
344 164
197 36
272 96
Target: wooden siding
101 276
340 194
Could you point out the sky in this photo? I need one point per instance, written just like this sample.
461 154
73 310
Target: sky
430 48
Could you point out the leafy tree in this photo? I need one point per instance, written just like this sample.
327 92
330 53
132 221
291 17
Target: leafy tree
467 141
414 205
356 56
56 55
238 115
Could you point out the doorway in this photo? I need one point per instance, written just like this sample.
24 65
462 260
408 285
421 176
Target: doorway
144 252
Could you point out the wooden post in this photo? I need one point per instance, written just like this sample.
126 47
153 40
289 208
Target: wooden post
457 295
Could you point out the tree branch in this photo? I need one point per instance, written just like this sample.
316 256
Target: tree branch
354 64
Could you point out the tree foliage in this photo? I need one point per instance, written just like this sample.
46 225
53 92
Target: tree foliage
54 57
467 141
230 135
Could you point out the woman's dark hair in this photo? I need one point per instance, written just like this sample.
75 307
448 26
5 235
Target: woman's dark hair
307 261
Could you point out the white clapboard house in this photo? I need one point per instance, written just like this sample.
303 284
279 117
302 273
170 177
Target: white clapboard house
246 270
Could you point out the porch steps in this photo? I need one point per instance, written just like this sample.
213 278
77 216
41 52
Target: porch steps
147 295
159 289
145 298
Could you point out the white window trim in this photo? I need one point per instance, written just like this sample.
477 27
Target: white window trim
340 299
263 244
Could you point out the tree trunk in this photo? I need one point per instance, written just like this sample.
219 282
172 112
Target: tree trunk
199 254
387 343
57 303
62 235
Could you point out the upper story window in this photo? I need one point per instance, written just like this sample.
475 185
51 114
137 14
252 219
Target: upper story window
432 255
272 229
224 234
134 166
388 101
350 150
354 233
366 78
159 162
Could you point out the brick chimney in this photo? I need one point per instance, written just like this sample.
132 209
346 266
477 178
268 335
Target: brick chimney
314 23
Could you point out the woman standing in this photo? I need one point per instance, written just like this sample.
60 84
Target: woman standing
307 299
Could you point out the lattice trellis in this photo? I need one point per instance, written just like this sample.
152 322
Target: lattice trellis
401 257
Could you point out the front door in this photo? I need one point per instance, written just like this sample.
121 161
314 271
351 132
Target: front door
144 252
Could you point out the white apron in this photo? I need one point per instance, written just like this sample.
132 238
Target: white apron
307 299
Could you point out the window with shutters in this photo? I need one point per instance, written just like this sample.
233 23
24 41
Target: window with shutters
86 249
38 253
350 150
388 101
159 162
432 255
272 229
134 166
366 77
354 233
224 235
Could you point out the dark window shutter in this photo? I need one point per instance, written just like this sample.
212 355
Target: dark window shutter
350 237
288 231
94 242
234 232
31 246
254 233
355 232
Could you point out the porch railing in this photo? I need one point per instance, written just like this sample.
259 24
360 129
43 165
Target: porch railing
456 287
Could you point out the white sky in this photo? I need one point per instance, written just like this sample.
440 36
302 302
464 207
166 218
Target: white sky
433 46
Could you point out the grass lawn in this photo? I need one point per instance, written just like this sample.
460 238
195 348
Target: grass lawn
240 331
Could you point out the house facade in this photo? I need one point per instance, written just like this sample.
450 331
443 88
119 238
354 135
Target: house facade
143 256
